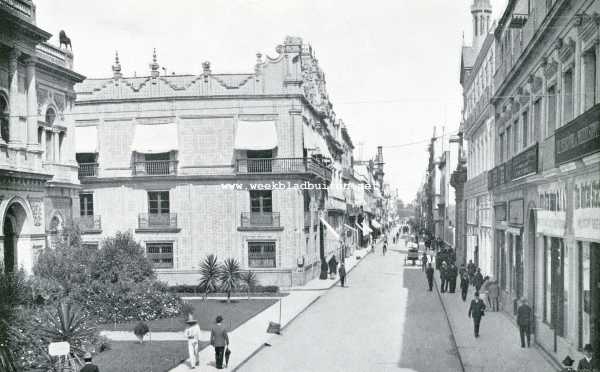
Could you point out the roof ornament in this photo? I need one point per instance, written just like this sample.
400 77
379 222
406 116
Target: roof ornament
117 67
258 66
206 70
154 66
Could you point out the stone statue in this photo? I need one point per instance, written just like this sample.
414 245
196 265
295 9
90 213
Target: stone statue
64 39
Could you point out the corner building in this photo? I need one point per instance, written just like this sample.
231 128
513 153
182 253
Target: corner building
546 179
173 158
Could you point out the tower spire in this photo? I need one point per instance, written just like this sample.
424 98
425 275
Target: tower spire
117 67
154 66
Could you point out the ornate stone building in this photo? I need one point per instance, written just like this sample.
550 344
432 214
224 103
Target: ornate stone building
188 164
38 172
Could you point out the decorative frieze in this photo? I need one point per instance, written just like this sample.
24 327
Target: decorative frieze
36 205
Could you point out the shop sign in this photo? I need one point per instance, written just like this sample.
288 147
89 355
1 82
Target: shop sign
500 212
552 216
525 163
551 223
515 212
586 213
578 138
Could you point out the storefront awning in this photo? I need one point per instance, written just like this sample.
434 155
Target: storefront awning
155 138
331 229
86 139
255 135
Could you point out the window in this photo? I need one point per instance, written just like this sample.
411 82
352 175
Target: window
501 147
160 254
158 202
516 137
508 142
61 137
50 116
91 246
525 128
86 204
261 160
568 96
40 135
157 164
589 70
537 119
547 281
261 201
555 284
551 122
4 123
49 146
261 254
585 299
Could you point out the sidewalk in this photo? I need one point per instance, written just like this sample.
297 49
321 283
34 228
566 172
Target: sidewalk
498 347
250 337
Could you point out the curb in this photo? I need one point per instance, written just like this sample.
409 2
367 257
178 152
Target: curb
462 366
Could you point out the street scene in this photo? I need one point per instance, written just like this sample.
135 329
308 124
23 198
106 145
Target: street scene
302 185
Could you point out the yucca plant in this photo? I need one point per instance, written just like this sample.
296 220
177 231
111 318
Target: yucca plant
68 323
209 274
230 276
7 362
249 280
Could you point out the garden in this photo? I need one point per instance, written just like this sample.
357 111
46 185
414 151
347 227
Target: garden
76 292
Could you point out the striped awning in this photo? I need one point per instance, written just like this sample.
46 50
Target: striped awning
255 135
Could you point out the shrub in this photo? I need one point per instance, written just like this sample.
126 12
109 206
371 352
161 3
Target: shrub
140 330
209 274
229 276
249 281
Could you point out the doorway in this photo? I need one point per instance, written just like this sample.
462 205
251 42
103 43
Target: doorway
12 226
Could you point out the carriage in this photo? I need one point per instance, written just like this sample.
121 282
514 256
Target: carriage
412 255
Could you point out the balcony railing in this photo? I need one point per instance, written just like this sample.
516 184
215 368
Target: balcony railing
283 166
53 54
22 7
157 221
155 168
264 219
90 224
88 170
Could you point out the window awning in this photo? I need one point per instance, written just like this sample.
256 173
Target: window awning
255 135
155 138
331 229
366 229
315 142
86 139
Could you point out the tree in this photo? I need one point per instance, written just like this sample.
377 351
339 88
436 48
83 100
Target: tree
209 274
249 280
230 276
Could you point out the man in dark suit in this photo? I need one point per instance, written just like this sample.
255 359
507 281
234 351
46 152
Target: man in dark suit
429 274
476 311
524 322
219 340
444 276
587 364
88 366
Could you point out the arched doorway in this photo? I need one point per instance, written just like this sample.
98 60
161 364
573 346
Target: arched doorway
12 227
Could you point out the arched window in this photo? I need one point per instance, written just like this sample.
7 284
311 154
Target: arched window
4 132
50 116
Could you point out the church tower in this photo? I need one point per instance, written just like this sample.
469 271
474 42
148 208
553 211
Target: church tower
482 14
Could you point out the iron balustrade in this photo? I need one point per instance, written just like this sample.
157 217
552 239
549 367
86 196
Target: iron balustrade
253 219
90 223
88 170
155 168
282 166
157 220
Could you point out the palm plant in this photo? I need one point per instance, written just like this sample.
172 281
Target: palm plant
7 362
68 323
209 274
249 280
230 276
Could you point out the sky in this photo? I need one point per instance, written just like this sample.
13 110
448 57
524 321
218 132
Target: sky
391 66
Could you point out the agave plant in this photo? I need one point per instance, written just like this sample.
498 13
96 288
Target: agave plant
68 323
230 276
249 280
209 274
7 362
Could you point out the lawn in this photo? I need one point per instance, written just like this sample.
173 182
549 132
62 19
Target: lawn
150 357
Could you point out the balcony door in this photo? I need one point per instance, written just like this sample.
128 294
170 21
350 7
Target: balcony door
261 207
259 161
158 208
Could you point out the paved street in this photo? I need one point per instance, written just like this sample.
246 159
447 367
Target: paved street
384 321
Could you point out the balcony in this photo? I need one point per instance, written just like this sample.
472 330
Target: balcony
23 8
55 55
283 166
90 224
518 20
157 222
155 168
88 170
260 221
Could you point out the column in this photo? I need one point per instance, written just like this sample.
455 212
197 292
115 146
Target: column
56 149
13 76
32 104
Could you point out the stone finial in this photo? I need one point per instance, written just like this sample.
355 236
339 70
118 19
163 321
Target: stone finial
117 67
206 67
154 66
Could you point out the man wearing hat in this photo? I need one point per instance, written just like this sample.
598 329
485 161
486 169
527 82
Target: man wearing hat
524 317
88 366
192 333
588 363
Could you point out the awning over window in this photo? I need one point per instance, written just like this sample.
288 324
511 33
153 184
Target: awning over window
255 135
86 139
155 138
331 229
315 142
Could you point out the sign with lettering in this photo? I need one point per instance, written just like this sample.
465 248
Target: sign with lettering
59 348
586 211
500 212
515 211
578 138
525 163
552 216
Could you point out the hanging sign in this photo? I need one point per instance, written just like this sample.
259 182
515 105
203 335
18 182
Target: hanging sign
586 210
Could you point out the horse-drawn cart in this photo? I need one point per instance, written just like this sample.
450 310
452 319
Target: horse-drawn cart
412 255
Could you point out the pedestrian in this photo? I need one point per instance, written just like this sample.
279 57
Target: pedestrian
332 267
452 274
384 247
471 270
476 311
478 280
444 276
524 322
493 294
429 275
464 286
88 365
219 340
342 274
424 261
588 363
192 334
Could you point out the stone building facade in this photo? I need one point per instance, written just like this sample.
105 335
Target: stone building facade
38 172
